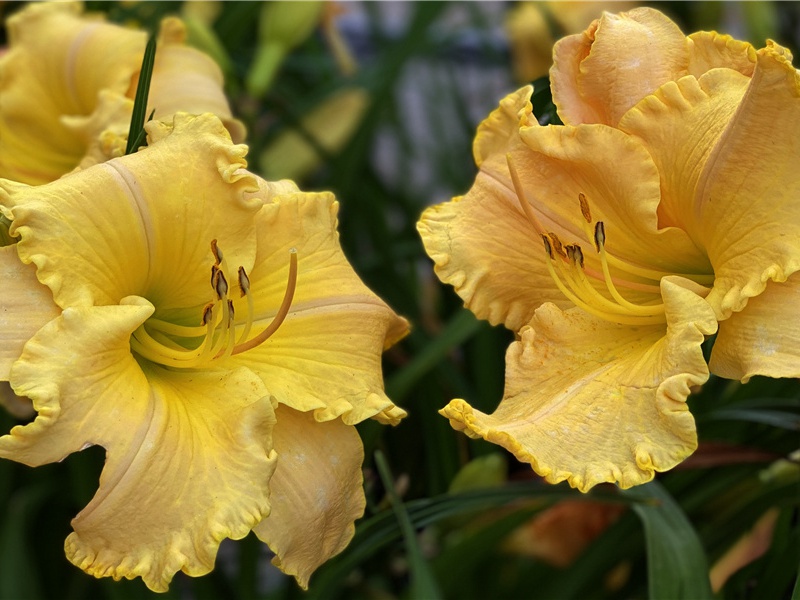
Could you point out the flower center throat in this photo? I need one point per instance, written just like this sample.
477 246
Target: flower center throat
216 337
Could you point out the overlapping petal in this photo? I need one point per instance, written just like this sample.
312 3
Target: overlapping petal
317 492
58 64
213 427
681 125
325 357
151 234
749 208
593 81
589 401
764 338
25 307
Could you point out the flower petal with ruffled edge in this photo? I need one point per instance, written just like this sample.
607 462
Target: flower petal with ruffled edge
188 454
711 50
681 124
317 492
601 73
187 189
326 356
57 65
747 196
589 401
25 307
764 338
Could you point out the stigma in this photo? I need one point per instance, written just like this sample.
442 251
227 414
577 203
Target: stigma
220 333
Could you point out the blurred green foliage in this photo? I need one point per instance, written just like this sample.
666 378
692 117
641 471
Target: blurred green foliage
432 71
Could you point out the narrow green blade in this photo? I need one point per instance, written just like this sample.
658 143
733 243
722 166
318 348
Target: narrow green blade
136 131
677 567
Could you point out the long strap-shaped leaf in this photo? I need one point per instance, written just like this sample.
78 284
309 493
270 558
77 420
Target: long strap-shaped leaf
136 131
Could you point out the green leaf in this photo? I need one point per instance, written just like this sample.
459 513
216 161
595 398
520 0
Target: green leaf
423 584
136 131
677 567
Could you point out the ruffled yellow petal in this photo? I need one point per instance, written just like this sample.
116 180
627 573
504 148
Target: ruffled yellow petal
25 306
59 63
747 196
680 124
186 190
188 454
764 338
599 74
56 64
711 50
317 492
326 356
588 401
186 80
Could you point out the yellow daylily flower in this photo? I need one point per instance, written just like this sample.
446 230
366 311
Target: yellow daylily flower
199 389
68 79
614 244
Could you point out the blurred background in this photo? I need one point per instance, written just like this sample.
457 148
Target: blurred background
378 102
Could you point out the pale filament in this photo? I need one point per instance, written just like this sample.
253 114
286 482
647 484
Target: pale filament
183 346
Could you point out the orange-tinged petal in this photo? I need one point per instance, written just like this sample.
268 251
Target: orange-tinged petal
764 338
141 224
317 492
680 124
25 306
747 195
499 130
188 455
599 74
621 184
588 401
326 356
711 50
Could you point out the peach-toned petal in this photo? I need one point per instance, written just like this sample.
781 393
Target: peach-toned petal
711 50
621 184
599 74
188 454
680 124
317 492
326 356
589 401
747 196
25 306
748 548
496 132
764 338
141 224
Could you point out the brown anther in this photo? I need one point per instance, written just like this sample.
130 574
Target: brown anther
216 252
244 282
547 246
557 245
221 285
577 255
214 271
587 214
599 235
208 310
230 311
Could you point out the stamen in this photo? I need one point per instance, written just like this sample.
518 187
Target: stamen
244 286
587 214
283 310
215 250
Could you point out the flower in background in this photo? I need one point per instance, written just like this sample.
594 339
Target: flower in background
528 26
614 244
205 328
67 84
